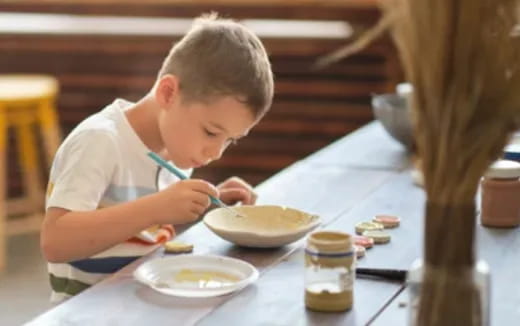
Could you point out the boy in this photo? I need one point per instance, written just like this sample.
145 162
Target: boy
107 202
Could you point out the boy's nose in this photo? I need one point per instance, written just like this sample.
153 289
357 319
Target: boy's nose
214 153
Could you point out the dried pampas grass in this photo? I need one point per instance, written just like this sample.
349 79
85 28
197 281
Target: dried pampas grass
463 59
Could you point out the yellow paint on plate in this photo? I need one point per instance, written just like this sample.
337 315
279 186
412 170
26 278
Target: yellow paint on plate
206 278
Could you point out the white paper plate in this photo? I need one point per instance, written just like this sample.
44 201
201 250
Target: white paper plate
196 275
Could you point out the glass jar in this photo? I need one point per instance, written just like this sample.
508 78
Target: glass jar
329 271
500 195
480 278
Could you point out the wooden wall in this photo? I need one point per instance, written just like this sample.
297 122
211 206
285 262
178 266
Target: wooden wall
310 109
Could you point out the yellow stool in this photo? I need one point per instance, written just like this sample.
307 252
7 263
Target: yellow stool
26 101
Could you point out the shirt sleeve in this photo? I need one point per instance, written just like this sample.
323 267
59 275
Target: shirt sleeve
82 171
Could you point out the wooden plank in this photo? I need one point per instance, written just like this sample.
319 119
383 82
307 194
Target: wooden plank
361 67
266 3
285 87
379 151
311 88
364 66
387 153
123 45
56 24
354 10
325 110
303 127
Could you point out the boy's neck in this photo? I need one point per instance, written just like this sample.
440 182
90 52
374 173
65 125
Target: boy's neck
142 116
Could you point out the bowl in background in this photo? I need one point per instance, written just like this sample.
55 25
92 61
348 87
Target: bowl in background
393 112
263 226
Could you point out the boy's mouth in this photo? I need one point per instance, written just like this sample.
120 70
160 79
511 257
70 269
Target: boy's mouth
196 164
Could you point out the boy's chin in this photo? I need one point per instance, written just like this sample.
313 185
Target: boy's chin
186 165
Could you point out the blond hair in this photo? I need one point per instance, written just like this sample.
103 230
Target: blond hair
220 57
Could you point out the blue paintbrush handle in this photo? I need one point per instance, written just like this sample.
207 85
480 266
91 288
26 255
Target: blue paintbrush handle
178 173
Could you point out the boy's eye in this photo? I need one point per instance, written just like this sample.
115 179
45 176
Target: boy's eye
209 133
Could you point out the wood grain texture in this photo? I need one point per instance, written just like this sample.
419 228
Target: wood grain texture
355 10
311 108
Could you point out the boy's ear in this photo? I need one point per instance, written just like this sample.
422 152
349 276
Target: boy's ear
167 90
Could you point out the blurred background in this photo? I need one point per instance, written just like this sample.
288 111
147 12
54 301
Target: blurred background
99 50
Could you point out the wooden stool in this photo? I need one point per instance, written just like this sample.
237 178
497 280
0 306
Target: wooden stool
26 101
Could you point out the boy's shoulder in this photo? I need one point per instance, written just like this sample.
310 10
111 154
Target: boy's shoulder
107 123
95 129
107 120
104 129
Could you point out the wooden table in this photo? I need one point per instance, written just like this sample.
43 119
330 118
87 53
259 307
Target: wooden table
362 174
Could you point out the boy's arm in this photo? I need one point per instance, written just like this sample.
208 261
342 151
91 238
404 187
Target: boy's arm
69 235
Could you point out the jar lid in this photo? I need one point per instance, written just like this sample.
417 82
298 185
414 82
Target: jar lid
504 169
330 241
512 152
404 89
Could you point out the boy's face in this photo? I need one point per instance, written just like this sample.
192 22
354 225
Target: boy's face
195 133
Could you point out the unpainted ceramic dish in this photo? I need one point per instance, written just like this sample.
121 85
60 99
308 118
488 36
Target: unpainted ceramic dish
263 226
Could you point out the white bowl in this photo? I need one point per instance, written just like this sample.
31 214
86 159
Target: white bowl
261 226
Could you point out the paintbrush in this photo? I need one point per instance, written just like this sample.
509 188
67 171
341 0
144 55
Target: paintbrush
383 273
181 176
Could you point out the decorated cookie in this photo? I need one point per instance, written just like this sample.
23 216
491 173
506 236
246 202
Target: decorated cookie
388 221
367 226
365 242
418 178
177 247
379 236
360 251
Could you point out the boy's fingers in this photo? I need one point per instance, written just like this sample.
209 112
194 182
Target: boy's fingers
204 187
201 199
254 197
236 182
194 214
198 210
231 196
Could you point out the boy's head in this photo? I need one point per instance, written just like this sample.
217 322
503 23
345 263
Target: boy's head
214 86
219 57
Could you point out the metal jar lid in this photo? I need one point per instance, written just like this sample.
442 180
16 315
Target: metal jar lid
503 169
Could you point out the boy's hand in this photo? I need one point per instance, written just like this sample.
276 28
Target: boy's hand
184 201
235 190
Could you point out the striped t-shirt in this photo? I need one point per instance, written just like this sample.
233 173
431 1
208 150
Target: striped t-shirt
103 162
